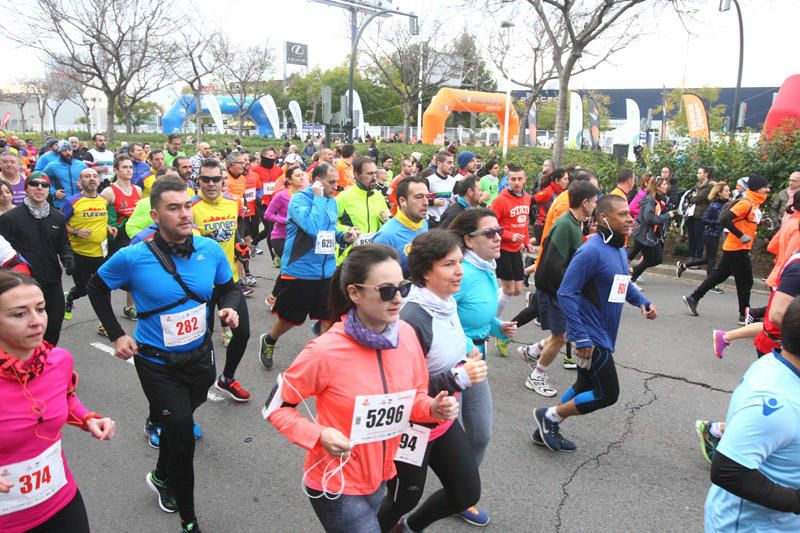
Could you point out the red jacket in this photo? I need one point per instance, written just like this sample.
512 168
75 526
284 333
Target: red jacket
335 369
544 199
512 214
268 177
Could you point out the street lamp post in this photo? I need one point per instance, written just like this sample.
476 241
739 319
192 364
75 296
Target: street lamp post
507 25
725 5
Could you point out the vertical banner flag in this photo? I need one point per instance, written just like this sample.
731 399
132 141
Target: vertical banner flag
575 136
268 105
358 110
6 118
664 116
696 116
532 124
210 103
632 126
594 122
297 116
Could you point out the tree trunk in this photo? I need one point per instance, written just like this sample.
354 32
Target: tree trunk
110 119
54 113
41 123
198 117
561 112
22 115
523 122
87 115
241 123
407 108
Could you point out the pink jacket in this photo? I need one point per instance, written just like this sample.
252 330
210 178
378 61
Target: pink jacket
335 369
634 207
22 437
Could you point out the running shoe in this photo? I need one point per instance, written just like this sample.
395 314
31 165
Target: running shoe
708 442
475 516
250 281
536 438
502 347
680 268
637 286
226 335
536 321
719 342
130 313
550 432
269 301
748 317
246 291
68 304
233 389
276 262
742 320
540 384
165 499
266 353
190 527
716 290
196 431
153 433
102 331
570 363
691 303
530 353
258 250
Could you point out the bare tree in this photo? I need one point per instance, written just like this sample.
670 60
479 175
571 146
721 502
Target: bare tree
196 60
39 89
410 66
146 82
19 97
77 95
62 89
244 73
105 49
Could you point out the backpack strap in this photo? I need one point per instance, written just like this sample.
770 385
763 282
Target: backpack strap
168 265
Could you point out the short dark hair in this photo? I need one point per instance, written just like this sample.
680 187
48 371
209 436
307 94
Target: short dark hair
177 162
165 185
607 203
468 221
321 170
790 328
359 162
210 163
120 158
405 184
347 150
583 174
426 249
625 174
464 184
355 269
513 167
709 171
580 191
154 152
94 137
173 136
441 156
10 279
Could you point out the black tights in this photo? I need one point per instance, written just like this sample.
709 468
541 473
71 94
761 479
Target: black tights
453 461
71 518
651 256
175 462
597 387
84 268
239 339
710 257
529 313
738 264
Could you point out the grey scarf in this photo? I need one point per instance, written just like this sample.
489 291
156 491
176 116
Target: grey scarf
37 212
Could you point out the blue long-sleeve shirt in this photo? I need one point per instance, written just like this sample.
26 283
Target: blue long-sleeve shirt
584 293
309 214
477 304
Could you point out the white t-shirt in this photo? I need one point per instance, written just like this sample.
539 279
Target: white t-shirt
106 157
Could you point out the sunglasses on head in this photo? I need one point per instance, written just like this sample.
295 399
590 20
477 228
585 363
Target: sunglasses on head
42 184
208 179
387 292
489 233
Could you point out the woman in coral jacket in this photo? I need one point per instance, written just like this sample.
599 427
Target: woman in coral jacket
369 377
37 392
552 186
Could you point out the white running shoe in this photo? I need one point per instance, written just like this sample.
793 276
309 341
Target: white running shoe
540 384
530 353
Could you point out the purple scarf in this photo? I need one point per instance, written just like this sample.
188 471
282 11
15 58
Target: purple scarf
363 335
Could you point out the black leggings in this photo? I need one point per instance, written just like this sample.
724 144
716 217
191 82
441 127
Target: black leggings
528 314
54 305
710 257
651 256
453 461
85 267
738 264
278 245
71 518
240 336
597 387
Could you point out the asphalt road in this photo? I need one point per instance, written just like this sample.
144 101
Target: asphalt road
637 467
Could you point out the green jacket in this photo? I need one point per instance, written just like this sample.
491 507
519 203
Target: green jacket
561 243
360 209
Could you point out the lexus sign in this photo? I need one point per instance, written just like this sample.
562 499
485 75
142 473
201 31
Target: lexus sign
296 54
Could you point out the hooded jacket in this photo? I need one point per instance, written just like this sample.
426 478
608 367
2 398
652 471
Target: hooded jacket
742 219
64 176
308 215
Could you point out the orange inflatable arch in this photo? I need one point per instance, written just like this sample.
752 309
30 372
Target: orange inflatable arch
448 100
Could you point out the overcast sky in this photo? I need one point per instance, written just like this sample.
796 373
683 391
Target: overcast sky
664 55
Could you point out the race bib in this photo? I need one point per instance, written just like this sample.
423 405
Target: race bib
184 327
268 188
757 216
619 289
326 243
365 238
35 480
379 417
250 195
413 443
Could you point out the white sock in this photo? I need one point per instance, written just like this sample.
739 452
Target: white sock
503 300
715 430
540 370
552 415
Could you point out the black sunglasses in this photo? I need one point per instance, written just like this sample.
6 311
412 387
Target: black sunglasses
41 184
489 233
387 292
208 179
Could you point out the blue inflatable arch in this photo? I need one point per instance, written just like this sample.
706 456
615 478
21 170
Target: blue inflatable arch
172 121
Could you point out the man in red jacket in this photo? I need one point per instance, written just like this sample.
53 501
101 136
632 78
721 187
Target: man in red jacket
512 207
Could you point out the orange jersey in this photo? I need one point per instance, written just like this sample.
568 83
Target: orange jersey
251 192
747 216
559 207
236 188
346 177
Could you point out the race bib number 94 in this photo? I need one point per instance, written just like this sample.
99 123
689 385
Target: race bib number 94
379 417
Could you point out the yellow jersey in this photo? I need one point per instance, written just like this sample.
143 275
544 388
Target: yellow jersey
147 186
217 220
83 212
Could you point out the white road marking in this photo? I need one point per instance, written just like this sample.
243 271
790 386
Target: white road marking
212 394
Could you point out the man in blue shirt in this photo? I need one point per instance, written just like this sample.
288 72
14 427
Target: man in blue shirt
411 218
174 355
64 173
596 285
756 468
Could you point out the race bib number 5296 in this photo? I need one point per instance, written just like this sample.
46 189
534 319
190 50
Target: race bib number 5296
381 416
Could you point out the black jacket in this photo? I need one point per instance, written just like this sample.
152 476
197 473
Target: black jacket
452 211
40 241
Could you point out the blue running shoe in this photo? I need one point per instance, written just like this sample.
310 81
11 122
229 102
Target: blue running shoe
198 433
153 433
475 516
550 433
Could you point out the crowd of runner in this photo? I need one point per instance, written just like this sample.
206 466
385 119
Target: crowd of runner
405 268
